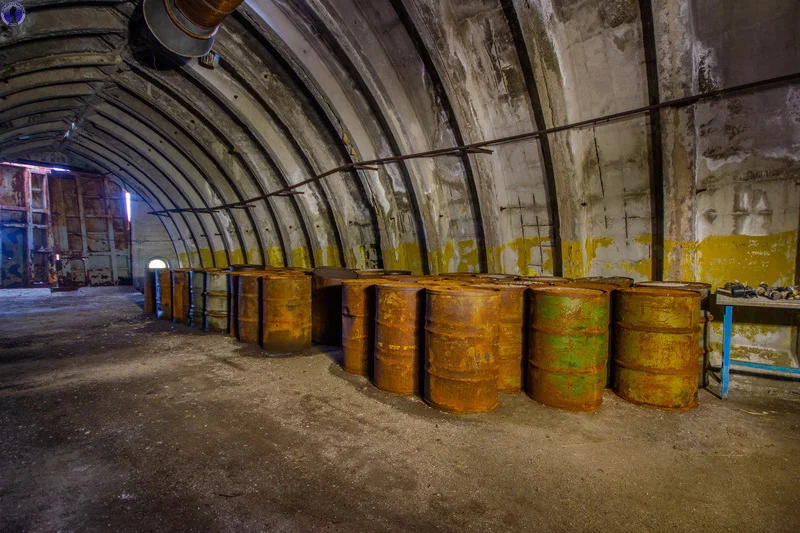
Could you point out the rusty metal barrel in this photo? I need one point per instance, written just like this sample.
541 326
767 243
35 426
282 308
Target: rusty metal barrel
181 295
164 294
655 346
326 303
217 300
150 292
704 290
399 311
197 312
461 344
568 346
512 335
286 311
358 324
248 302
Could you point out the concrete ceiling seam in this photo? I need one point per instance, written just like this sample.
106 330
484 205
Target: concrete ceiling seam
387 227
207 126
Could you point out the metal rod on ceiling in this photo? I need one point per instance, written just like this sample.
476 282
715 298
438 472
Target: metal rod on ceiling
479 147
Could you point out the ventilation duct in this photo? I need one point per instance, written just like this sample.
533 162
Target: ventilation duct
187 27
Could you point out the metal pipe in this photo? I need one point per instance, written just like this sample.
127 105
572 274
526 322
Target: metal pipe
476 147
196 22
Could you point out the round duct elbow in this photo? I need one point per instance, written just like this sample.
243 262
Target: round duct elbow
186 27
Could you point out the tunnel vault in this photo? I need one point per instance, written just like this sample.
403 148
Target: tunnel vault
305 86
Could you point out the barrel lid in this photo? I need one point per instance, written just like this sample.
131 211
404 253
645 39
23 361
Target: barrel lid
361 281
463 289
245 267
500 286
334 272
703 288
546 279
400 286
605 287
568 290
620 281
496 276
659 291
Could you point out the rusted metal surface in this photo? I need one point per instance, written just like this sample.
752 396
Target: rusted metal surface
656 346
704 289
461 345
164 290
326 302
217 300
379 273
286 320
247 306
568 346
553 280
617 281
496 277
244 267
512 335
181 295
399 311
358 325
150 292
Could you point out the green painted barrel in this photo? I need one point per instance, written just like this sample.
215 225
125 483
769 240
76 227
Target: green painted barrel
568 346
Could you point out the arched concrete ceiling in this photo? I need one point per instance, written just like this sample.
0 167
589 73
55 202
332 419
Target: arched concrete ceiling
304 86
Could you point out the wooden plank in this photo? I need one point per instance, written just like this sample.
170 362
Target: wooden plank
724 298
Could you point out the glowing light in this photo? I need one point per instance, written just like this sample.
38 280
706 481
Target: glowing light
157 263
128 204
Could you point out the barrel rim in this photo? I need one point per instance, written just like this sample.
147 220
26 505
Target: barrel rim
569 290
501 286
360 281
400 285
655 291
674 284
464 289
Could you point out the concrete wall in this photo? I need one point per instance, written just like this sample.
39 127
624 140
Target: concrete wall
150 240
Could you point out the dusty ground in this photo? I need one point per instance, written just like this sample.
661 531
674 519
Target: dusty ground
114 421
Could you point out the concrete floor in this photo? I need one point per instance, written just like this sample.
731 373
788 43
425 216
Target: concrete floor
111 420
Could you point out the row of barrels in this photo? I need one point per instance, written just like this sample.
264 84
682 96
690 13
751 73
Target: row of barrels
460 339
270 307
